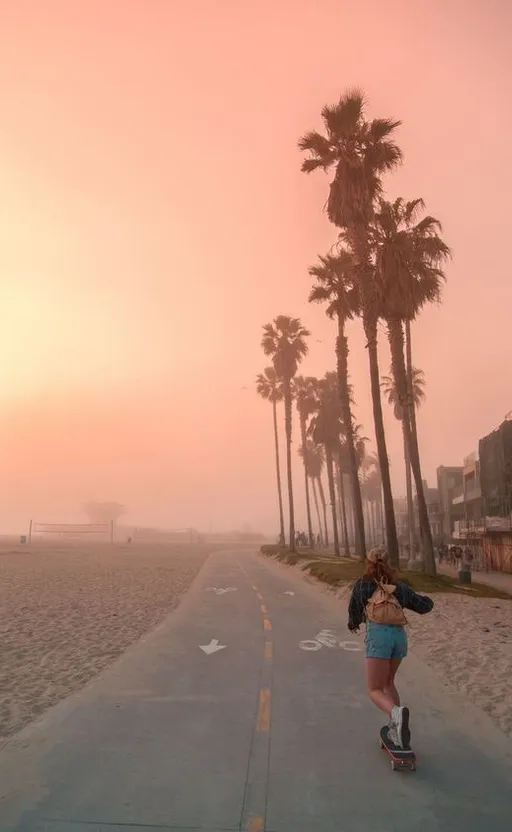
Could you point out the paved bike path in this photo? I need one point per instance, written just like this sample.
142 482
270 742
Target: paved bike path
273 732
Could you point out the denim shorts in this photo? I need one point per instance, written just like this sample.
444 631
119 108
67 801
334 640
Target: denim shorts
385 641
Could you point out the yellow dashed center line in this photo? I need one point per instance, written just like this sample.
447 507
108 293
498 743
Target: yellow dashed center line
264 710
256 822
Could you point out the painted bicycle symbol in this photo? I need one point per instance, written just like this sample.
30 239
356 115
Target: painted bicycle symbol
326 638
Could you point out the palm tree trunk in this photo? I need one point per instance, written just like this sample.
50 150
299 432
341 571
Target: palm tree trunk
343 509
306 480
408 491
370 328
396 342
278 471
324 510
288 431
367 520
410 391
315 498
372 522
350 515
332 495
410 388
342 372
381 517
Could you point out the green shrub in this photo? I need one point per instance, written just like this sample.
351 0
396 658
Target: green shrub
269 549
336 571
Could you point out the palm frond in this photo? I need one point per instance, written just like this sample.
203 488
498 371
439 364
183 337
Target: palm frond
343 118
314 143
320 294
310 165
383 157
381 128
411 211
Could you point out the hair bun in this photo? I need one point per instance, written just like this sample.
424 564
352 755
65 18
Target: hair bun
377 554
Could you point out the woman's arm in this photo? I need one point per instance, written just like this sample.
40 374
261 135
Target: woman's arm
417 603
355 608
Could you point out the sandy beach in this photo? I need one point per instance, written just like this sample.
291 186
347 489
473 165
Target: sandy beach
468 644
468 641
68 612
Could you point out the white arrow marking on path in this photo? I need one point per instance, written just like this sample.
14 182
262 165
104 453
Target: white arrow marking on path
350 646
289 593
212 647
221 591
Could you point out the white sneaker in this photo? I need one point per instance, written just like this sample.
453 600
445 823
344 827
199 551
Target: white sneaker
400 717
392 734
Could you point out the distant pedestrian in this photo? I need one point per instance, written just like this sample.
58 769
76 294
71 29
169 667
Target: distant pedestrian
379 601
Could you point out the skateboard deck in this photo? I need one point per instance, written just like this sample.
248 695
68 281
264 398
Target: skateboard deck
401 758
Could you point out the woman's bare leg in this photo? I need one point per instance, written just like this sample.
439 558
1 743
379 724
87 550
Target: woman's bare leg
378 673
390 688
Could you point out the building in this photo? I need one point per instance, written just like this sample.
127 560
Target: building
400 506
467 502
475 500
495 452
434 513
449 481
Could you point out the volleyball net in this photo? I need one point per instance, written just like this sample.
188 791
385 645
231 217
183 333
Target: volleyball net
78 531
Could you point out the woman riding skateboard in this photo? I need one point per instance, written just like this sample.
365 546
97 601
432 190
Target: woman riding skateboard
380 601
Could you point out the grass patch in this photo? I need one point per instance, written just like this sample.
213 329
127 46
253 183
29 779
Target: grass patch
446 583
283 554
272 549
337 571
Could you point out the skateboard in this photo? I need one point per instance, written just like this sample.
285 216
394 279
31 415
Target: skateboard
401 758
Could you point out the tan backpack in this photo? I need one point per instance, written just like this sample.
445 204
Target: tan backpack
384 608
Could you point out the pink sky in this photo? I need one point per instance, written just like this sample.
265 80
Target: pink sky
153 216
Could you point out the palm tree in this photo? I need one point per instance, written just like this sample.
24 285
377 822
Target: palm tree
372 490
409 256
304 392
372 483
270 389
285 341
391 392
313 458
317 459
339 467
360 152
325 428
337 285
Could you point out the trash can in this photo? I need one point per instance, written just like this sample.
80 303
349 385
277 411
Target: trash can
23 538
465 574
